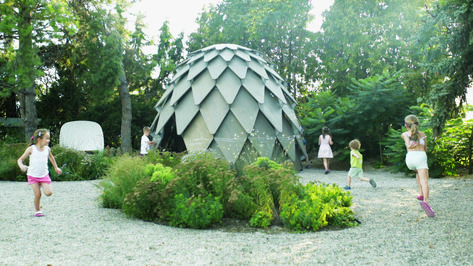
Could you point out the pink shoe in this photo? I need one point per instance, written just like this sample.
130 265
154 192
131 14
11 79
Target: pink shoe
38 214
420 197
427 209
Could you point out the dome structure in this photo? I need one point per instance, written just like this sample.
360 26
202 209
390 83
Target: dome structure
228 99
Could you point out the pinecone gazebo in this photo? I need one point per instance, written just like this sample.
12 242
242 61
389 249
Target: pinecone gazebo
228 99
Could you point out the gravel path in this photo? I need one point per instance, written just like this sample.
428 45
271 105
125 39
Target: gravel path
394 231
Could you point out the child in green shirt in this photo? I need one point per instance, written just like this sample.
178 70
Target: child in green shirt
356 164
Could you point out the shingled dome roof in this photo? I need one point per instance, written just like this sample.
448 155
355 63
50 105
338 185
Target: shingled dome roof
227 98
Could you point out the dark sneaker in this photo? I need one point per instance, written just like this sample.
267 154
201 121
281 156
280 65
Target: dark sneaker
373 184
347 188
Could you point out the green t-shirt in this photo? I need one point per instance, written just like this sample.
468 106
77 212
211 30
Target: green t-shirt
355 162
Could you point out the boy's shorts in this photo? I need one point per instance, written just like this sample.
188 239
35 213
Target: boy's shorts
33 180
355 172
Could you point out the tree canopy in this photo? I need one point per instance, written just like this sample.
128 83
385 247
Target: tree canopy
67 60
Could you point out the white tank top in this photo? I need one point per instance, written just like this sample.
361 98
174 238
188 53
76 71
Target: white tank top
38 162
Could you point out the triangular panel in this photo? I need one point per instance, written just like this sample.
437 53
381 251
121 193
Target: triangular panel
164 116
272 110
243 55
185 112
239 67
201 86
275 89
227 54
228 84
196 68
181 88
214 109
230 138
180 71
263 137
258 69
245 109
197 137
216 67
210 55
291 114
254 85
288 140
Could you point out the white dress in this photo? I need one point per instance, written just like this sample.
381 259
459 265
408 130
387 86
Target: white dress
325 151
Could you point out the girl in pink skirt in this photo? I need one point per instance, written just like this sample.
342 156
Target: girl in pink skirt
38 173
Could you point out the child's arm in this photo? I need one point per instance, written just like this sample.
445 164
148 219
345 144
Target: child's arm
356 155
27 153
330 139
53 162
407 141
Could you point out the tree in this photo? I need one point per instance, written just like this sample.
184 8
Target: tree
446 42
275 28
361 38
31 23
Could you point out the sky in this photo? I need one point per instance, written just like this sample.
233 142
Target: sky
182 14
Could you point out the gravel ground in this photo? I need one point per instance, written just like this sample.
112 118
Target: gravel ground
394 230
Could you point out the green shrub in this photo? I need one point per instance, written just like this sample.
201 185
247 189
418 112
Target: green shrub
9 154
121 179
195 211
316 206
148 201
78 165
169 159
202 174
263 182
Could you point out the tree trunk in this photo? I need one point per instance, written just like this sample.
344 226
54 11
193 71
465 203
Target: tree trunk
126 114
26 75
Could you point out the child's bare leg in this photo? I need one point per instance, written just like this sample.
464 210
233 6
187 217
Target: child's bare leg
423 175
418 184
326 163
37 195
365 179
47 189
349 181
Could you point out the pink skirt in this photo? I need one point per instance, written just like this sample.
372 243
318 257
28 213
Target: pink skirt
33 180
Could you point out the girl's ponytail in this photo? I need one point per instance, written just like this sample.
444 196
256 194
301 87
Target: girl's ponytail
413 123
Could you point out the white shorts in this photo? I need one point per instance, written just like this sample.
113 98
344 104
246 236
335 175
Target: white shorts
416 160
355 172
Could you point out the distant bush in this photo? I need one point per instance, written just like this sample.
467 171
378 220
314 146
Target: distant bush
76 165
9 154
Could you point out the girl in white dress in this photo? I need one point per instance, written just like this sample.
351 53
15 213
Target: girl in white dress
325 151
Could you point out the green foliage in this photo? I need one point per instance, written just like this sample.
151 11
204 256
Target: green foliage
203 189
169 159
363 38
76 165
275 28
316 206
121 179
445 153
149 200
196 211
9 154
372 106
263 182
161 172
202 174
445 42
